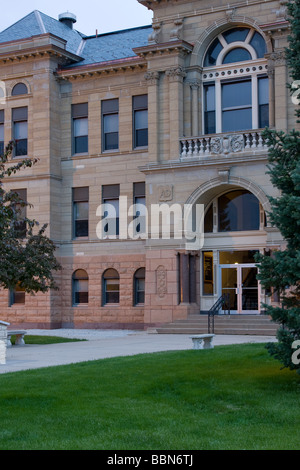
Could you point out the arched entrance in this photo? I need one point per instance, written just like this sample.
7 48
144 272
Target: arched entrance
234 229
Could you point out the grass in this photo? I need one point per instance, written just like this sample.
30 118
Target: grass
35 339
230 397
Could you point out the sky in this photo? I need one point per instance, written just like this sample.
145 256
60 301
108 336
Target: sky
101 15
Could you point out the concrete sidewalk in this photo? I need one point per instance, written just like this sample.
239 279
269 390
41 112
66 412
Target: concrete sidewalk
104 344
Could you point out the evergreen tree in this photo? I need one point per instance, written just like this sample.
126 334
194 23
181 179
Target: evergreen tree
27 257
281 271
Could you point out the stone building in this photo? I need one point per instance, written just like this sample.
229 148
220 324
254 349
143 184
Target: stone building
161 116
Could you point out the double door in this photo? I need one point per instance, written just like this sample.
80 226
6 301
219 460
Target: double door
239 282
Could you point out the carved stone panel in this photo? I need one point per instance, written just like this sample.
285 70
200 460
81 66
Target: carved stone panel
165 193
161 281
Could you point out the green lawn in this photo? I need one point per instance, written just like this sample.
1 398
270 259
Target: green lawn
229 397
35 339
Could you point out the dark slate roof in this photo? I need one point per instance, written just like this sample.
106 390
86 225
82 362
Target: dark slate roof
92 49
36 23
112 46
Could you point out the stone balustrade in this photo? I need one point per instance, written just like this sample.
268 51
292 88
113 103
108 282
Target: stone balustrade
221 144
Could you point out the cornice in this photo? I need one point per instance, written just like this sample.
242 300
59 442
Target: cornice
102 68
204 162
36 47
163 48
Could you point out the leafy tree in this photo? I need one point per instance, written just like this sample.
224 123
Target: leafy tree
27 258
281 271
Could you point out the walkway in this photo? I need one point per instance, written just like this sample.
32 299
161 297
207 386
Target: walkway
103 344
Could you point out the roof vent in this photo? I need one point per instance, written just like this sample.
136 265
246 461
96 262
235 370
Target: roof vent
68 19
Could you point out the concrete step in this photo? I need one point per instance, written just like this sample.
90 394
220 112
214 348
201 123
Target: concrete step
217 331
224 324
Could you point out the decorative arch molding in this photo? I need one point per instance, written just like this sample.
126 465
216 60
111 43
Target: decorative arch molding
217 27
11 86
212 188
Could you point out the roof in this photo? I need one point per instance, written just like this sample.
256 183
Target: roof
92 49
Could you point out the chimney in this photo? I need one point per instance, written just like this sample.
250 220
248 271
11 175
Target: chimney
68 19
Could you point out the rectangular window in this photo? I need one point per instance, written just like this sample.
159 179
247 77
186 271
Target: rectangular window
20 131
236 106
20 226
263 102
110 124
110 199
208 273
17 296
80 212
1 132
140 121
209 109
80 128
139 200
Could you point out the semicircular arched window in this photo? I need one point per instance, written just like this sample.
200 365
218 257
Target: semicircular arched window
19 89
236 210
80 287
111 287
239 54
235 82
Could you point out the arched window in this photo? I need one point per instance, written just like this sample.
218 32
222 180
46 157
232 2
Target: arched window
111 287
237 210
19 89
80 287
139 286
235 82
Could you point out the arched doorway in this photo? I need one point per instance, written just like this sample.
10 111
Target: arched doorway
234 228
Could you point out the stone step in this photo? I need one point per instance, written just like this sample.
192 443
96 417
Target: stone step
224 324
217 331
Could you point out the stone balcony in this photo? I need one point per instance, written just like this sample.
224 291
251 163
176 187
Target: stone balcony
243 143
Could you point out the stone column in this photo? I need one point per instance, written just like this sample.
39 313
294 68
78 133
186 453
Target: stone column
153 114
195 107
176 76
184 270
280 90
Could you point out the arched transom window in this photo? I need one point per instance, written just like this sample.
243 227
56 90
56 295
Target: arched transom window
235 82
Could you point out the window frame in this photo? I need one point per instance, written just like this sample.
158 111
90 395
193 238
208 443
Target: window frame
80 195
15 90
139 104
79 113
220 74
75 282
110 108
136 290
13 293
110 194
19 115
116 277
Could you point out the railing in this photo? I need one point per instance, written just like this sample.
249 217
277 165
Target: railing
224 300
221 144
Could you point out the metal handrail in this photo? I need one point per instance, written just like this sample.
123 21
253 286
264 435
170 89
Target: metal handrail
214 310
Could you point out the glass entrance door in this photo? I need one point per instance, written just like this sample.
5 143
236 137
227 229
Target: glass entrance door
239 282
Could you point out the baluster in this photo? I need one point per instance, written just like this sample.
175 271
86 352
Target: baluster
260 141
201 150
254 140
184 148
207 140
190 148
195 152
247 146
